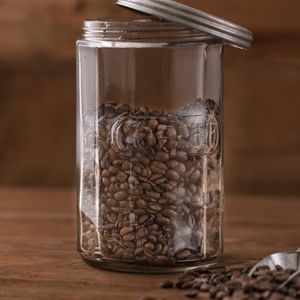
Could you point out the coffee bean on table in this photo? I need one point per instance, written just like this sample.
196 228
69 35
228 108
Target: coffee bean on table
191 293
167 284
236 284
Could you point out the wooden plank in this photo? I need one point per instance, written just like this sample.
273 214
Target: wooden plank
38 259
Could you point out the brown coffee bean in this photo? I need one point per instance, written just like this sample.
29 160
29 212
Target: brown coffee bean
183 130
161 127
162 220
180 168
152 124
141 203
143 219
105 181
172 164
112 202
162 156
170 196
205 287
126 230
171 132
139 251
184 254
153 194
169 213
141 233
106 173
192 293
157 168
155 207
173 175
119 196
195 176
167 284
129 237
181 156
126 165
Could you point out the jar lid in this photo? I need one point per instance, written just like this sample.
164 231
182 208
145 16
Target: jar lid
174 11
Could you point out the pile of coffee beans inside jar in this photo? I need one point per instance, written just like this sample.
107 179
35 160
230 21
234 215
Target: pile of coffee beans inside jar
233 283
152 191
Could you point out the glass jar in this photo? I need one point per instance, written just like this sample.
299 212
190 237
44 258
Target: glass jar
150 145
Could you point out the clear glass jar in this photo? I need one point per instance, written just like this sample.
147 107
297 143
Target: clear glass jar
150 145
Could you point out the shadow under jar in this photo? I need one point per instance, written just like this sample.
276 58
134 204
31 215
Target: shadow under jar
150 145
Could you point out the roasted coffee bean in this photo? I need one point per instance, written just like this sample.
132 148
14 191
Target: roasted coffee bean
120 195
182 156
172 175
129 237
218 283
167 284
195 176
126 230
193 293
148 180
162 156
155 207
141 203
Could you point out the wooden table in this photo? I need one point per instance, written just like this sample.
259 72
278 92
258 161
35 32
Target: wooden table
38 258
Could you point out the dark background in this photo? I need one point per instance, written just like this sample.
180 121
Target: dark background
37 92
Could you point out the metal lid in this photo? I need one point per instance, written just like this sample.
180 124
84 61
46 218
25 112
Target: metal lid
173 11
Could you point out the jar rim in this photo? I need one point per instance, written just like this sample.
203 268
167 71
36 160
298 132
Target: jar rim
142 29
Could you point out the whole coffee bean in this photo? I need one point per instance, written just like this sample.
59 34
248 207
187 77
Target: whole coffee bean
129 237
143 219
181 156
155 207
205 287
122 195
158 168
180 168
169 213
121 108
152 124
195 176
167 284
162 156
172 164
192 293
141 203
173 175
126 230
170 196
153 194
183 130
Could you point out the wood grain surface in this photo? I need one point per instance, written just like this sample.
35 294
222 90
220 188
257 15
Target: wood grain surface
37 91
38 258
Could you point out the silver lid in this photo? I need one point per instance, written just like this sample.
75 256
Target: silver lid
173 11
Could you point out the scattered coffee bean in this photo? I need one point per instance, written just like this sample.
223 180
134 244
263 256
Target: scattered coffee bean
234 283
167 284
191 293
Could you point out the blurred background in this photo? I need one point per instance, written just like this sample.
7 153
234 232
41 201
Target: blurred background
38 92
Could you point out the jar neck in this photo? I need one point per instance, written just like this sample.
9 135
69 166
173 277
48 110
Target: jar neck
143 30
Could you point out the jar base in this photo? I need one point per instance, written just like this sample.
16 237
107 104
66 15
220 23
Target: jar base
132 267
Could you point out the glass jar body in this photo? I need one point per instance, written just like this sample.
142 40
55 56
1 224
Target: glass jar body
150 153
